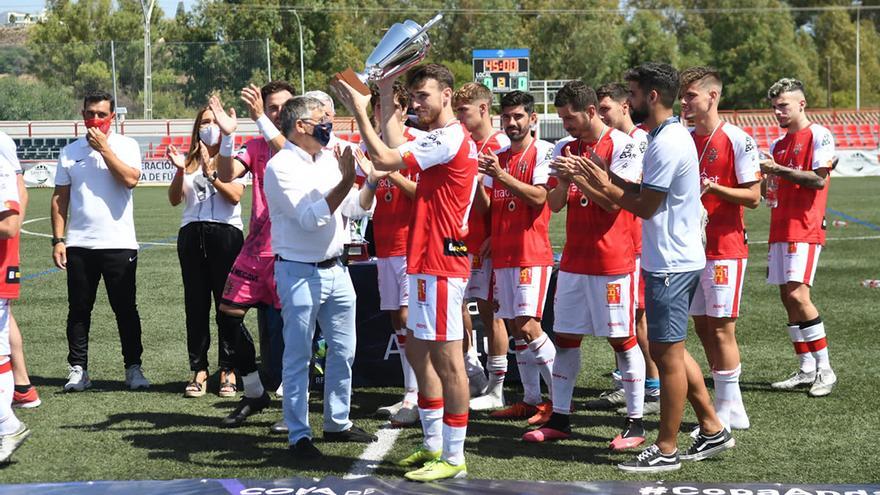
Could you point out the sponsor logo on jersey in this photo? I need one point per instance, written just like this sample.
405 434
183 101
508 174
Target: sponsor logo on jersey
612 293
713 154
525 276
720 276
13 275
750 144
452 247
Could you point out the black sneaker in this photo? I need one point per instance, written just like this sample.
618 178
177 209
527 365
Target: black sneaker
304 449
353 434
706 446
651 460
246 406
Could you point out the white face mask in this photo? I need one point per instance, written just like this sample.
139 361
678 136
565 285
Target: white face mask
210 134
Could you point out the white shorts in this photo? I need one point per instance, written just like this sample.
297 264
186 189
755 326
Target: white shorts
599 305
393 283
792 262
720 289
5 349
521 291
479 286
435 313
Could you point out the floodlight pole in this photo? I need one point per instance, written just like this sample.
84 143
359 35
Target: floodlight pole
147 6
302 72
858 4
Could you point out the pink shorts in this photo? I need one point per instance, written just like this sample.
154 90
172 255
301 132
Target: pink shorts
251 282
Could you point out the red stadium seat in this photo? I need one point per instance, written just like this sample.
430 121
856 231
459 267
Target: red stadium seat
837 129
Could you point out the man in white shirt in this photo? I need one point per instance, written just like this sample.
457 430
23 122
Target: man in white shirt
311 197
93 180
668 201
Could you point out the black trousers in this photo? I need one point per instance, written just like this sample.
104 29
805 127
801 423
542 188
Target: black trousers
85 267
207 251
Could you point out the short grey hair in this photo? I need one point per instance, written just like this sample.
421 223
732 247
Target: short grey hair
323 98
297 108
784 85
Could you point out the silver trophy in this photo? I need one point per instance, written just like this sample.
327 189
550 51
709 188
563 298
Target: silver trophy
357 250
403 46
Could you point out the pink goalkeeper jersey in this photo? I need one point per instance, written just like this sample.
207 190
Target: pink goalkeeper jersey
254 156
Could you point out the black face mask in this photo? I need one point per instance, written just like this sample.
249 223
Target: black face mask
321 133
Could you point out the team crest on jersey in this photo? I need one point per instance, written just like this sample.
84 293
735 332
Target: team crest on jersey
612 293
525 276
422 290
713 154
13 275
797 149
720 275
792 247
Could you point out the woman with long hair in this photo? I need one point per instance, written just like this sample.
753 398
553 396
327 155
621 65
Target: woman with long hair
210 238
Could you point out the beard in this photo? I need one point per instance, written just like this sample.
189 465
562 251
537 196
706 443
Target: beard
516 134
638 114
428 117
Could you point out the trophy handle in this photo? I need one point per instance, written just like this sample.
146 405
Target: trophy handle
419 33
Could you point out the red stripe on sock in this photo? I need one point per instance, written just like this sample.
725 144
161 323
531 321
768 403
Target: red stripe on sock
6 367
626 345
429 403
455 420
801 347
817 345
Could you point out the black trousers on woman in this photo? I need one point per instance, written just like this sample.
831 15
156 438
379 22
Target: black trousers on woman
207 251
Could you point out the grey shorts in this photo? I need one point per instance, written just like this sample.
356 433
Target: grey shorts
667 300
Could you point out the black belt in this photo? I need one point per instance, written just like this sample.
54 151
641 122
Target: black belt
328 263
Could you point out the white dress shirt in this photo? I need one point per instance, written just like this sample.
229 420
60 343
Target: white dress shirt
303 228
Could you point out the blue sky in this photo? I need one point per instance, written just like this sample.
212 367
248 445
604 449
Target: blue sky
168 6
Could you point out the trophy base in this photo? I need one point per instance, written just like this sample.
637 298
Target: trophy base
349 76
357 252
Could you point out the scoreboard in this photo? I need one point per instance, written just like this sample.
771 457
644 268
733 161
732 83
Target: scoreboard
503 70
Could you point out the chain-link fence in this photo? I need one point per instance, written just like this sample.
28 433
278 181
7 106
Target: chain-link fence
46 81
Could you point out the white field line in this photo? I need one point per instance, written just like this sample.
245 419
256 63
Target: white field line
374 453
40 234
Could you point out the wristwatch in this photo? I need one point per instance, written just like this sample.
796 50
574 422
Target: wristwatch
212 177
57 240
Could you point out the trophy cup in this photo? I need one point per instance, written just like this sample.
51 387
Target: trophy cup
356 250
403 46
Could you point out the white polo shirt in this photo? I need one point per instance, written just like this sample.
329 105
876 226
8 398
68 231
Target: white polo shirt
303 228
672 237
100 210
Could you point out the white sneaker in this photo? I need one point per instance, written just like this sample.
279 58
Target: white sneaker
9 443
405 416
487 402
280 391
134 377
825 380
478 383
77 379
388 411
796 380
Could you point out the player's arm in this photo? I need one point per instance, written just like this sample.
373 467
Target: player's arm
595 195
748 194
813 179
534 195
558 196
389 120
482 201
230 191
10 217
23 196
253 98
407 186
10 223
384 157
228 168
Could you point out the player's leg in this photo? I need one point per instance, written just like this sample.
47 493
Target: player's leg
812 330
393 295
12 431
25 394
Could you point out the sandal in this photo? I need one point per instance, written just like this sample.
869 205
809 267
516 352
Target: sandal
196 388
227 384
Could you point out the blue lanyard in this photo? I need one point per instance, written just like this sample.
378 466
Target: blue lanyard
671 120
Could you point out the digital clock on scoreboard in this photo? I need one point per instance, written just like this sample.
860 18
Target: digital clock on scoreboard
502 71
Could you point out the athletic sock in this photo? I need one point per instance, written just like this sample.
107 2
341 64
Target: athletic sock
813 333
8 422
528 373
806 359
472 364
632 368
23 388
497 368
544 352
431 416
253 387
566 367
454 433
728 399
410 385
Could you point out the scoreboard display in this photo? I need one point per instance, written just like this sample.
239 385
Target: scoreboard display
503 70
